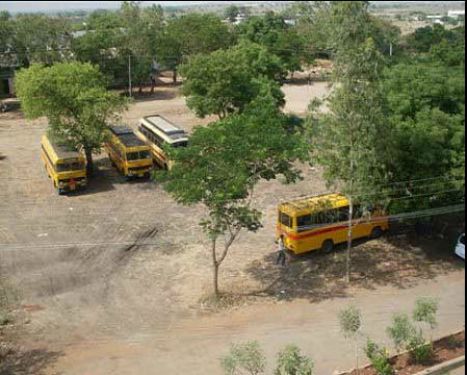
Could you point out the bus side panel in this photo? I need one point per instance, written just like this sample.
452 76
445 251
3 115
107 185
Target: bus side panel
157 153
49 169
119 163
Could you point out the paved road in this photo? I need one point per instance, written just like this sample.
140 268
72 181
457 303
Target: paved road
193 346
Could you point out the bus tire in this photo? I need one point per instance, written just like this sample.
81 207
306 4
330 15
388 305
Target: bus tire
376 232
327 246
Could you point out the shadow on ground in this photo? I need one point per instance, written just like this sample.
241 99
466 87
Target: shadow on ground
146 96
28 362
398 261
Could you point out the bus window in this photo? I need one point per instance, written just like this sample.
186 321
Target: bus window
285 219
343 213
304 223
180 144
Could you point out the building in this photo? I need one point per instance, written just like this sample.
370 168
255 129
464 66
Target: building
456 13
8 65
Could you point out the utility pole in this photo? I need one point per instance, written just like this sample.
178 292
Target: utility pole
129 75
349 229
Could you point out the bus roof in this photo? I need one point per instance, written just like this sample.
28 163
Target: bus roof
159 124
126 136
61 152
312 204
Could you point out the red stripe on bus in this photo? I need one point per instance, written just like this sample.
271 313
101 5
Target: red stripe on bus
318 232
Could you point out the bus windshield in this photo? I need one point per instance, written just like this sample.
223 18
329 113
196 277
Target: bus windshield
70 166
138 155
285 219
180 144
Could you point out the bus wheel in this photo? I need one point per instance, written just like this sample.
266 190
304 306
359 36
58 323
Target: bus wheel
327 246
376 232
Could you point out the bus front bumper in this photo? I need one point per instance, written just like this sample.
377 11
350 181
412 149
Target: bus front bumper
72 186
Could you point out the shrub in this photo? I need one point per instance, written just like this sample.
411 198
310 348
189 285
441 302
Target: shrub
401 330
248 357
420 350
350 320
291 362
425 311
379 358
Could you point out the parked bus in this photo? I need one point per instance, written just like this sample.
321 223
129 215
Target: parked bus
128 153
66 168
160 133
322 221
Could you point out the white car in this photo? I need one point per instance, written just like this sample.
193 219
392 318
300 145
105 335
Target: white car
460 246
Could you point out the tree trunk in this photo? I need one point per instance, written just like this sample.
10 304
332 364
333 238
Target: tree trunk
174 77
89 164
349 242
153 85
215 267
140 90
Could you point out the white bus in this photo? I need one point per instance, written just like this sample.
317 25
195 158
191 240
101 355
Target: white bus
158 132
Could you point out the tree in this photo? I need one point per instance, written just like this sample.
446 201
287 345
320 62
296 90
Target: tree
222 165
350 320
426 114
231 13
291 362
143 27
188 35
248 357
272 32
312 24
100 44
425 37
73 98
226 81
351 140
38 38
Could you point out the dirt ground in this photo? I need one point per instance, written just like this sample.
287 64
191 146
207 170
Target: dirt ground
124 260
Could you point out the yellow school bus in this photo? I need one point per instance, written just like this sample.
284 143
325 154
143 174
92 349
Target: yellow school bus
322 221
159 133
127 153
66 168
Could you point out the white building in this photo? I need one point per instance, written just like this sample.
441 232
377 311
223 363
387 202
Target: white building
456 13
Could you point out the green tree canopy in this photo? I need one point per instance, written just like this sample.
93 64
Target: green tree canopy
226 81
191 34
100 45
143 27
37 38
350 141
272 32
426 113
73 98
224 162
